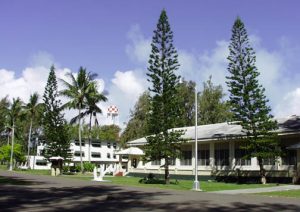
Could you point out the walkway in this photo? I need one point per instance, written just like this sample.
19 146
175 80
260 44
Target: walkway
259 190
22 192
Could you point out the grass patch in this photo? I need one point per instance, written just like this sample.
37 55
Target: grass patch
289 193
28 171
158 183
33 171
175 185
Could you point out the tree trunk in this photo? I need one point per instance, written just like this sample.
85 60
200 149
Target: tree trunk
90 137
7 139
167 174
262 171
29 139
79 138
12 147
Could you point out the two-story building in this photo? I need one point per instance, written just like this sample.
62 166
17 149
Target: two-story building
95 151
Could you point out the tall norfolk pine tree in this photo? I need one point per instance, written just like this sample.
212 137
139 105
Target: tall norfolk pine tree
247 98
55 129
165 110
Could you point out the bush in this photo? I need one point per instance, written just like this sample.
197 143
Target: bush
88 167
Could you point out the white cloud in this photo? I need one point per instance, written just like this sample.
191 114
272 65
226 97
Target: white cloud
282 87
275 67
124 91
290 104
139 48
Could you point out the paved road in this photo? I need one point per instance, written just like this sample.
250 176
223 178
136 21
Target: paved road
45 193
259 190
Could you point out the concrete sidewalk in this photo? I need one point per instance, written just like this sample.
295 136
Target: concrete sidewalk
259 190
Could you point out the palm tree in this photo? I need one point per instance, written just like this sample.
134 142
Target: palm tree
14 113
32 109
77 91
92 99
4 108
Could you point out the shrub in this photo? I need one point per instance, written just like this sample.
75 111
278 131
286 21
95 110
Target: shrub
88 167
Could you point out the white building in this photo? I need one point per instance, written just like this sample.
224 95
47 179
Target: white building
219 152
98 152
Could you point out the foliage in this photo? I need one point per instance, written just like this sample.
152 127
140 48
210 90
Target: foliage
81 86
165 110
104 133
88 167
5 152
33 111
15 113
212 108
247 98
137 126
56 131
108 132
4 105
186 101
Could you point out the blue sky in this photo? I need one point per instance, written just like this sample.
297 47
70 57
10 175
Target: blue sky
112 39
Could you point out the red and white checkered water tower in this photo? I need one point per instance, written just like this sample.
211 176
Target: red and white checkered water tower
113 113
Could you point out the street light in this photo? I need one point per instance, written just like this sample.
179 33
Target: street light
196 184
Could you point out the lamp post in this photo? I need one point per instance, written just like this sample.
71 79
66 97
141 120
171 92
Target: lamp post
196 184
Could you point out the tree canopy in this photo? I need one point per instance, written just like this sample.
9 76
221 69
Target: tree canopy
165 110
55 130
247 99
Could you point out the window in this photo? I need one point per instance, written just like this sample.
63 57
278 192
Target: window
96 155
240 157
125 157
203 157
114 156
108 155
77 154
76 142
41 163
289 157
269 161
172 161
115 145
96 143
186 159
222 154
155 162
108 144
42 152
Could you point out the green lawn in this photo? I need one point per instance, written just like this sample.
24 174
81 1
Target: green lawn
290 193
28 171
180 185
134 181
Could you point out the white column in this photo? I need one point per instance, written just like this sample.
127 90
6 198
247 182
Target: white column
129 162
254 164
212 154
231 154
298 160
193 157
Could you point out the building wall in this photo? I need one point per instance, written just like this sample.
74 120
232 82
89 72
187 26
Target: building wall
107 147
233 164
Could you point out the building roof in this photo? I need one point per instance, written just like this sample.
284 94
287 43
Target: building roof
225 130
130 151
